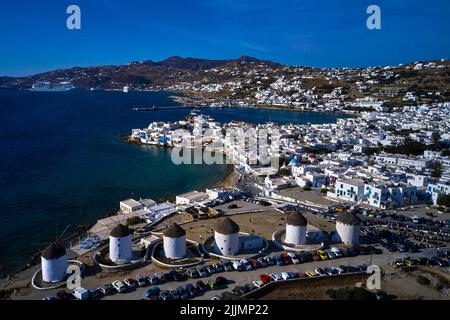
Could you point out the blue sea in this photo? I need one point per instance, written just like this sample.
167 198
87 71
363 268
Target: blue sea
63 160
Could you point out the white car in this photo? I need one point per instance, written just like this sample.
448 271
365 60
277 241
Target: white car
320 272
258 283
285 275
80 294
294 258
119 286
339 270
237 265
337 252
276 277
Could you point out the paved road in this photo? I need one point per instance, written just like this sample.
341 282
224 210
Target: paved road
244 277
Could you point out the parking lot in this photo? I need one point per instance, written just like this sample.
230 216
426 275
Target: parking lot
245 277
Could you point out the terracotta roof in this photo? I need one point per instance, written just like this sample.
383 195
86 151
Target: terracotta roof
226 226
174 231
120 231
54 251
295 218
348 218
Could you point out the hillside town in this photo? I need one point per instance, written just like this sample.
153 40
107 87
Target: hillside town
304 203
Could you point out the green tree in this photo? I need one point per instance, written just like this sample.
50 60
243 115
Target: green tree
284 172
436 172
443 200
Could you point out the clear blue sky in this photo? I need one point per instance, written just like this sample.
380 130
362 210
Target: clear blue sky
320 33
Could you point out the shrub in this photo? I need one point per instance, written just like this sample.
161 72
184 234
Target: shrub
134 220
422 280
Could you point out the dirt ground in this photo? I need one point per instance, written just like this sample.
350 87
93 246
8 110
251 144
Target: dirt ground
310 291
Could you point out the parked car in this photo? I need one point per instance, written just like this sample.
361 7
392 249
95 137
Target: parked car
211 269
330 254
286 259
246 264
153 279
202 271
337 252
338 270
119 286
237 265
294 258
141 280
161 276
254 263
165 295
95 293
269 260
218 267
258 283
321 272
240 290
201 286
192 290
322 254
275 276
352 252
131 283
177 276
192 273
262 262
63 295
152 292
285 276
226 265
279 261
107 289
311 273
264 278
79 293
175 294
184 295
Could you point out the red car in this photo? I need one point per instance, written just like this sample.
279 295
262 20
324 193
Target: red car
286 259
254 263
301 274
264 278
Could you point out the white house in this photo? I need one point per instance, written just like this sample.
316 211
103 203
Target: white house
350 190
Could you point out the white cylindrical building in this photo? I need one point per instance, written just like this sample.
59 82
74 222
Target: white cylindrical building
226 236
120 244
174 238
296 225
347 227
54 263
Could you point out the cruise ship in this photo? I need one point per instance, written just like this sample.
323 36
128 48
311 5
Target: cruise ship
48 86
